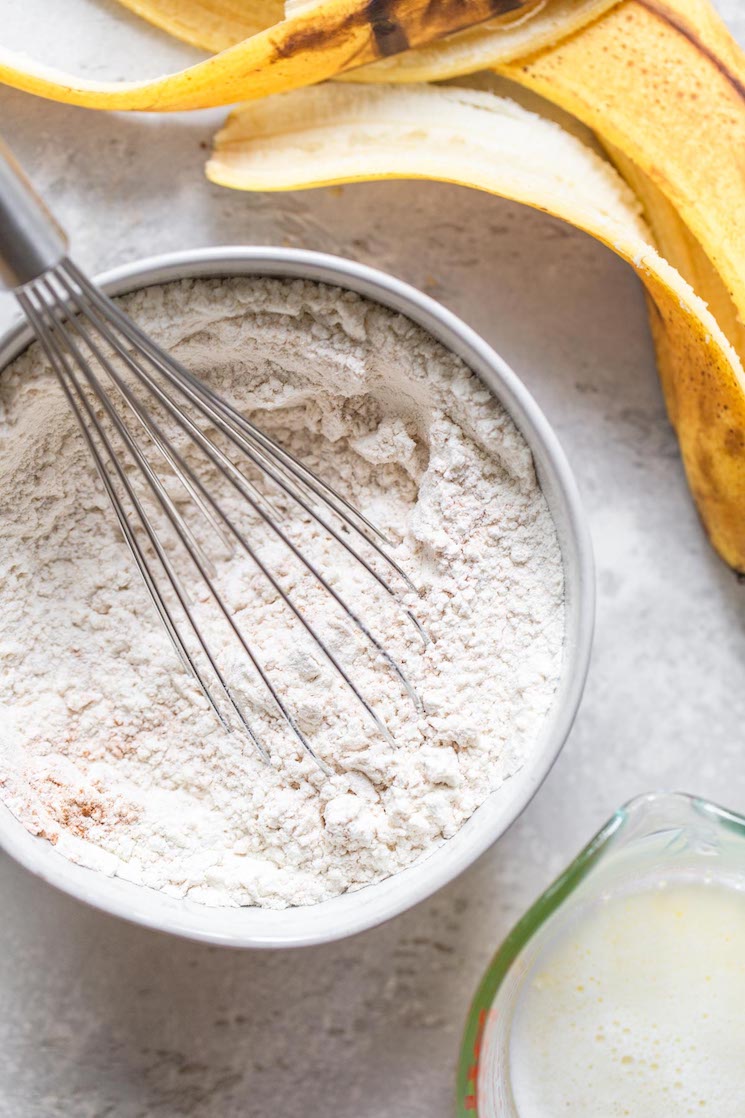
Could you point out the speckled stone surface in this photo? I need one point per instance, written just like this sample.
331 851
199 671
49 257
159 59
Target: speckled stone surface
103 1020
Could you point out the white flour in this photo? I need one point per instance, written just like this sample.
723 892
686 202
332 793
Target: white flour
106 751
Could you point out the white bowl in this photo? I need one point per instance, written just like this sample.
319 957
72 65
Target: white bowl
364 908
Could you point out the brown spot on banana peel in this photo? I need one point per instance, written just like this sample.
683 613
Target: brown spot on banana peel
395 26
390 36
398 25
705 464
734 441
317 36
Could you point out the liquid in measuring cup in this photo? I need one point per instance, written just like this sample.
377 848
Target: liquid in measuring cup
636 1009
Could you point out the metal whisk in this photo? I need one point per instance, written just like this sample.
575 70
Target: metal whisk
120 386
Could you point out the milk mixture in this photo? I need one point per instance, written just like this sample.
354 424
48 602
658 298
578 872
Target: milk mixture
106 747
638 1011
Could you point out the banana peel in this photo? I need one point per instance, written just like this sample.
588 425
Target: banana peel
335 133
677 244
316 43
342 133
216 25
662 83
480 48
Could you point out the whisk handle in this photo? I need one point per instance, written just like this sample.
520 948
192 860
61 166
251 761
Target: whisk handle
31 242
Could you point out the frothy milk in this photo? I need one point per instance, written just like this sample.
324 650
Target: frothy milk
637 1010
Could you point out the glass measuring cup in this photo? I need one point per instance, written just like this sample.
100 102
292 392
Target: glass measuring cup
658 838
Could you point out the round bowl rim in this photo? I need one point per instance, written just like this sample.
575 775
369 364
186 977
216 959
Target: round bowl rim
356 911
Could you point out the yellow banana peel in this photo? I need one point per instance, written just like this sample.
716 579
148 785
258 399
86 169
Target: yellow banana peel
678 245
480 48
342 133
217 24
663 84
316 43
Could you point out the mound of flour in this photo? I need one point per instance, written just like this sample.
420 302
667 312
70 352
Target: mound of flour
106 747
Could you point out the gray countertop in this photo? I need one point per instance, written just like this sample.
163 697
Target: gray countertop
103 1019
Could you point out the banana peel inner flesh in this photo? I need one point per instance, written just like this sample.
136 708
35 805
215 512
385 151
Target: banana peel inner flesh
342 133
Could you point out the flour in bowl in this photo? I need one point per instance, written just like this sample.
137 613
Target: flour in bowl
106 747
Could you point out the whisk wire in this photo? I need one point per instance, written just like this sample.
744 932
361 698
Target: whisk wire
150 427
79 309
176 522
299 470
246 435
217 458
118 384
47 331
